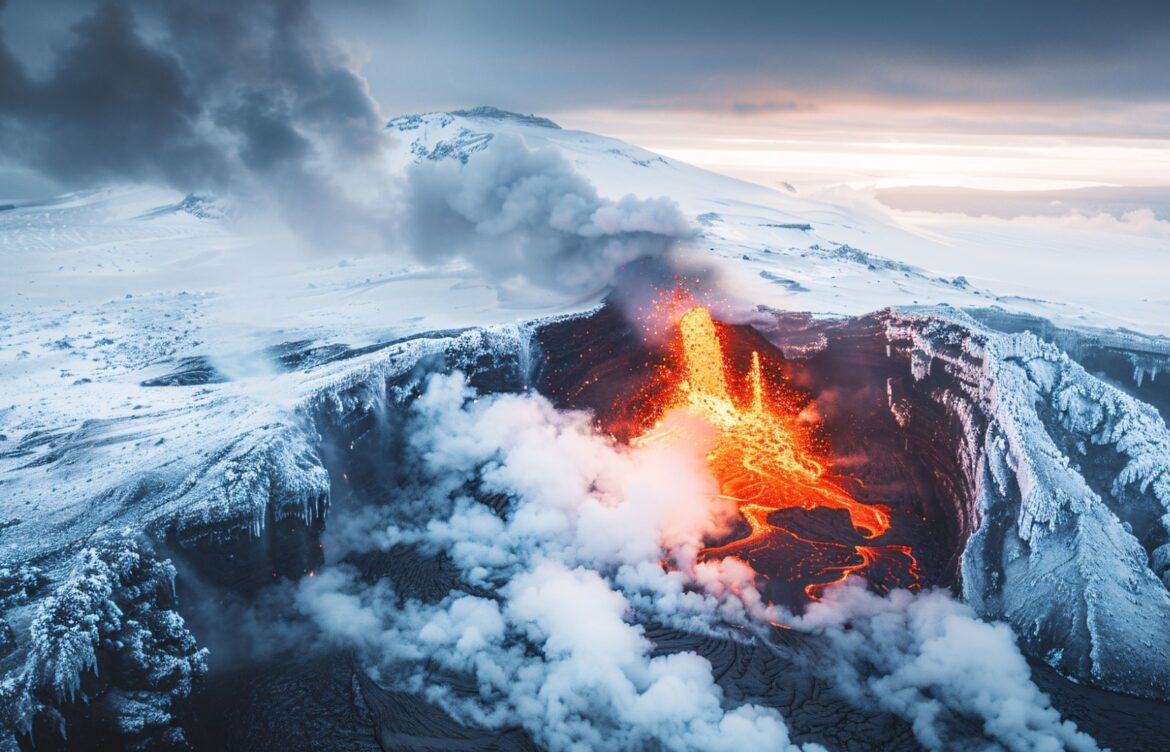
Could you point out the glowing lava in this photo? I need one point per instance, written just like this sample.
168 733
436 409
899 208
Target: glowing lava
763 460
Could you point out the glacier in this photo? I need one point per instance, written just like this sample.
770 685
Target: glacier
107 455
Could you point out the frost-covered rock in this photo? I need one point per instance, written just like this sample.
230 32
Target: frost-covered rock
277 470
213 459
107 636
103 629
1071 481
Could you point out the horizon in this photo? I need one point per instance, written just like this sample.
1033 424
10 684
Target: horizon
910 96
584 375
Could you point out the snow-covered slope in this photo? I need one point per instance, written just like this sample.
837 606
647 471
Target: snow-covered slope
162 370
815 255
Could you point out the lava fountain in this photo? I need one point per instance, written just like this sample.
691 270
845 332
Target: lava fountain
764 460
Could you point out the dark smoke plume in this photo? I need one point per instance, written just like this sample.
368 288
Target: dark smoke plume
247 98
254 101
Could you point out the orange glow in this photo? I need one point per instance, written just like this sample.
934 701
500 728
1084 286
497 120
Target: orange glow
764 461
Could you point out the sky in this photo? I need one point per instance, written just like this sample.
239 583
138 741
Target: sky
996 95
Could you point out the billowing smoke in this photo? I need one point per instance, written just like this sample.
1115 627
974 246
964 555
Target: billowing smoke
566 543
254 102
552 583
519 214
245 98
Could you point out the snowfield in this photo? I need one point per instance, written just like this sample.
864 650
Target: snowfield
164 369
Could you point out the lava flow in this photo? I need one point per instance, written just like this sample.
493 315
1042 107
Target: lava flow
764 461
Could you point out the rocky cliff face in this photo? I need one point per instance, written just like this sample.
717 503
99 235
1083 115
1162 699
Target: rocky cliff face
1048 490
1072 493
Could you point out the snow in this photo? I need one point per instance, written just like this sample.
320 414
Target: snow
119 597
202 456
1063 462
1115 268
1072 275
108 291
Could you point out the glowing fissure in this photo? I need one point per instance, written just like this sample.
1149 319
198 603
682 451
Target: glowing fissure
763 460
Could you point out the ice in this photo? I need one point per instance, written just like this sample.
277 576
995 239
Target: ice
117 597
1071 472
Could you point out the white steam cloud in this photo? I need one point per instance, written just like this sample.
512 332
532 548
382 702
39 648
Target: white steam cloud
519 214
559 577
928 658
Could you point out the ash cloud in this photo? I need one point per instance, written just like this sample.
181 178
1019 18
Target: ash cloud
523 215
558 535
256 102
250 99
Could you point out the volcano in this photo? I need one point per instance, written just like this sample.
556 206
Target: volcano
764 461
187 479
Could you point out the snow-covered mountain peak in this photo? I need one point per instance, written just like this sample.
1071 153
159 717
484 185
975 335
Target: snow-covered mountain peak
482 112
495 113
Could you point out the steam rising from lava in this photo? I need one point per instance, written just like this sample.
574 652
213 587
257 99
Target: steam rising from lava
566 542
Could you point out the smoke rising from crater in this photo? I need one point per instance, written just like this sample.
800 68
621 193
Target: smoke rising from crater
929 659
525 215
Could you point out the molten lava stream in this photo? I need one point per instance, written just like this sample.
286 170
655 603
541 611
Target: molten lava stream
763 460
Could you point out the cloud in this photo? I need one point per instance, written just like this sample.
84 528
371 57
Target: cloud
929 659
525 215
1089 202
1137 222
682 55
231 88
559 533
249 98
257 102
768 106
